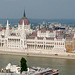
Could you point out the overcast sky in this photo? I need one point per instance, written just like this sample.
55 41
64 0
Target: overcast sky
40 9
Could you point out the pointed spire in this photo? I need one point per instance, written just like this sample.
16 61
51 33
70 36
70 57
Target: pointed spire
39 26
7 29
47 27
22 34
23 22
7 22
24 14
7 25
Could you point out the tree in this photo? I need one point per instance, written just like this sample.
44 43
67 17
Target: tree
23 65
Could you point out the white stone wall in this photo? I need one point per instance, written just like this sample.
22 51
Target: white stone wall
31 45
27 28
44 45
46 34
59 46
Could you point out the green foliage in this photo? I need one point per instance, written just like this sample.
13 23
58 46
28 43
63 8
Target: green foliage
23 65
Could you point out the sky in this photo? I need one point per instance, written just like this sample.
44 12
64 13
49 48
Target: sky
38 9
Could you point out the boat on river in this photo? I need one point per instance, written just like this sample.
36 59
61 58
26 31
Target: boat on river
15 70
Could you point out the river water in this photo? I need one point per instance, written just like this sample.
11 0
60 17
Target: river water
65 66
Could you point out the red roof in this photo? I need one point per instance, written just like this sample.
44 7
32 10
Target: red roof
0 29
26 21
13 34
59 37
34 34
3 28
43 30
49 38
59 32
40 38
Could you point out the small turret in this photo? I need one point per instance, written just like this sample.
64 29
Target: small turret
7 29
22 34
39 26
47 27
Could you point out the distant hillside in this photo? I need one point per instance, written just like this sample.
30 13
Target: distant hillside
35 21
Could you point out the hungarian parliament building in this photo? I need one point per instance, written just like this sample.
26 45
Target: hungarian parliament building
24 39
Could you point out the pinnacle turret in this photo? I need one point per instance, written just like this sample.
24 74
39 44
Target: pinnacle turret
7 29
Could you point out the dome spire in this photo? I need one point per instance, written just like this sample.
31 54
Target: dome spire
24 14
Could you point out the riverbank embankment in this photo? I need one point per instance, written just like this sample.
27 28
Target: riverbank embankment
65 55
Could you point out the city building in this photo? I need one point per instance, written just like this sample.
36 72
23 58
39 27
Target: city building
23 39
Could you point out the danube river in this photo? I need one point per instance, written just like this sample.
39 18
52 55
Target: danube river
65 66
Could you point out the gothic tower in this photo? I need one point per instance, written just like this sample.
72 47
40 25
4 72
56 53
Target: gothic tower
7 30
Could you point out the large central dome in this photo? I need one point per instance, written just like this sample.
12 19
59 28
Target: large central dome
26 21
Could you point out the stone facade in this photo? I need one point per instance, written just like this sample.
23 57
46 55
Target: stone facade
18 40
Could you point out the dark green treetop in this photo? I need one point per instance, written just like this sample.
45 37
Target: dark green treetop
23 65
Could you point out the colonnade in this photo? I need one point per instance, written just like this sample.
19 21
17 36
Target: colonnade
14 43
29 46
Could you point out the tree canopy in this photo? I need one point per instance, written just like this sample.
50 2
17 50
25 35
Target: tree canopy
23 65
